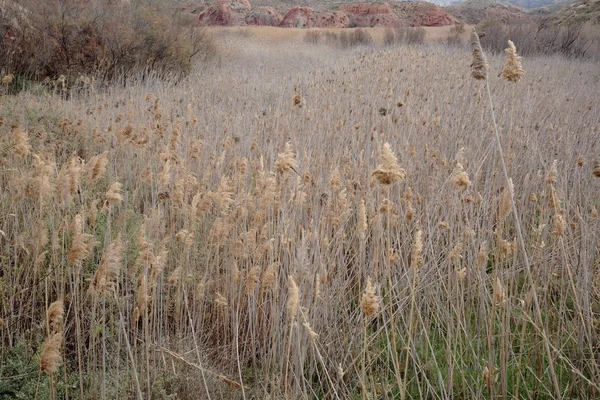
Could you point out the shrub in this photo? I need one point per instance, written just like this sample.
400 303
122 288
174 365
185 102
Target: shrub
535 38
415 35
313 37
72 38
360 37
389 37
403 35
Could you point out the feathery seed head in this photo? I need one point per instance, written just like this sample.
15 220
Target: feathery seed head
50 358
416 259
552 177
370 302
287 160
479 65
596 170
293 298
513 70
388 171
461 179
55 316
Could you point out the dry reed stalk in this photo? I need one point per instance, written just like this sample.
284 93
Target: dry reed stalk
520 238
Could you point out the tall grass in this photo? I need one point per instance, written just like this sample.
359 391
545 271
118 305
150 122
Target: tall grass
233 236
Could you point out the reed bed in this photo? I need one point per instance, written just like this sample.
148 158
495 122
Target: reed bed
306 222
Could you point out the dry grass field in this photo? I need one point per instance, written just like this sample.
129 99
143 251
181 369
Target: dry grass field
297 221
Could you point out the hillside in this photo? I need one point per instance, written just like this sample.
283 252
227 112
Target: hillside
325 15
474 11
577 14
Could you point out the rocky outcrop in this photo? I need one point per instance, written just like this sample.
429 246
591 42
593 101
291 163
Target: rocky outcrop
405 13
264 16
298 17
370 14
226 12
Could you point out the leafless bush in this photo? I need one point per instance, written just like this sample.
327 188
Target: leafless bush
313 37
537 39
389 37
48 39
359 37
404 35
345 39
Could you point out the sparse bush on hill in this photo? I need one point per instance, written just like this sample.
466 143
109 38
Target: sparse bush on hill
47 39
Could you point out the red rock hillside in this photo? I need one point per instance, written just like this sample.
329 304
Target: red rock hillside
370 14
240 12
421 13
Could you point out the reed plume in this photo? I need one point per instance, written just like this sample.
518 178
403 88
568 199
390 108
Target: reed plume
55 316
596 170
461 179
292 299
388 171
21 145
50 358
105 278
370 302
513 70
96 167
416 259
114 195
479 66
286 160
